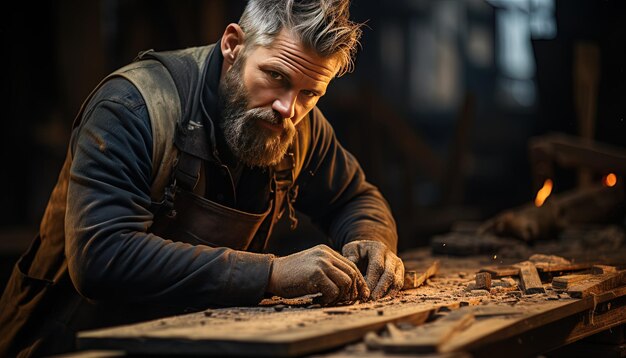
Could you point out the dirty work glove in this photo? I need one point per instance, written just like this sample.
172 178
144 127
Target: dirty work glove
319 269
384 271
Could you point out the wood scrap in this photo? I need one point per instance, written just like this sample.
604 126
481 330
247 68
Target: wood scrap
500 271
562 283
529 278
598 284
600 269
426 338
414 279
508 282
302 301
503 285
483 280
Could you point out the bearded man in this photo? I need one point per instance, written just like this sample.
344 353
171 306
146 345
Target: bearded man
180 164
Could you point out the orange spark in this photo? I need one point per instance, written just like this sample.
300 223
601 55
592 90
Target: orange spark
609 180
543 193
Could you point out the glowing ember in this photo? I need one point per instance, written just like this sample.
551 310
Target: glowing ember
609 180
543 193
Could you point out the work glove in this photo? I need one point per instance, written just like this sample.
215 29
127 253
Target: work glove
319 269
384 271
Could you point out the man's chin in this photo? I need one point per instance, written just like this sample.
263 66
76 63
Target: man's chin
261 162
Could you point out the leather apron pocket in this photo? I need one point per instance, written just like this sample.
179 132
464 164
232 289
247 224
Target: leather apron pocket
198 221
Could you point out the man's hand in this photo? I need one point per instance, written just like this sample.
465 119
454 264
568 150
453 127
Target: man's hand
318 269
385 271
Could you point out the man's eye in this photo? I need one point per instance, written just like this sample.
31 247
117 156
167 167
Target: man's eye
309 93
275 75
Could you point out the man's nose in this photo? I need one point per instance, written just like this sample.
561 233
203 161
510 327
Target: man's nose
285 105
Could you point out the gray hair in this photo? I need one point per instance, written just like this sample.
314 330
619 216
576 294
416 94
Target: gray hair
322 25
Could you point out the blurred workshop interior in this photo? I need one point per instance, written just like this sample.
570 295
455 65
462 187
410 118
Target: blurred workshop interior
440 110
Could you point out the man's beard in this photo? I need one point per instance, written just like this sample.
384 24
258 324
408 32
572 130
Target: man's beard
251 143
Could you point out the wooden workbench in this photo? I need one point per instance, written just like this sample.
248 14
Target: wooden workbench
503 321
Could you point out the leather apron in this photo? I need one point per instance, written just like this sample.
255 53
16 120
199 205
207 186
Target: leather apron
186 215
199 221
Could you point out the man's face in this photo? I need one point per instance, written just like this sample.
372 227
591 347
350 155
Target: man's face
266 94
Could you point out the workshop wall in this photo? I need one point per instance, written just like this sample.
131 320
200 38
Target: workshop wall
439 110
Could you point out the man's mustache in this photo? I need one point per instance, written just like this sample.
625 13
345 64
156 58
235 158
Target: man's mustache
266 114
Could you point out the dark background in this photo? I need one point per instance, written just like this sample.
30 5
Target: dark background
436 121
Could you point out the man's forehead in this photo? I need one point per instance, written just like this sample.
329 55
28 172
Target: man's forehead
290 51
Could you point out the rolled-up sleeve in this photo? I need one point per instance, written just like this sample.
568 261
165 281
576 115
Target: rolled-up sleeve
111 254
334 192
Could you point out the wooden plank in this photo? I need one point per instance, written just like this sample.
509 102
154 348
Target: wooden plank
529 278
255 331
414 279
426 338
597 284
562 283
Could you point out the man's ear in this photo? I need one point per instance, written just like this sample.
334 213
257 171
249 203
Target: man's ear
232 43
